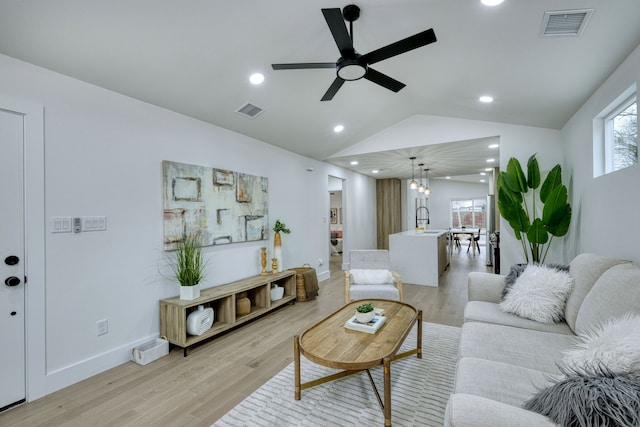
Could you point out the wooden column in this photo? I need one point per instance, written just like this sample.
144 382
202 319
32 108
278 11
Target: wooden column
388 209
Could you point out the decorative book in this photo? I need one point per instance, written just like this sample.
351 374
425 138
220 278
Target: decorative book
369 327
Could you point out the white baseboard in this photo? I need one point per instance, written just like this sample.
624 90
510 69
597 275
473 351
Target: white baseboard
325 275
69 375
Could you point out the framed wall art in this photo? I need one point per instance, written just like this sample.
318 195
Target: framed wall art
223 206
333 214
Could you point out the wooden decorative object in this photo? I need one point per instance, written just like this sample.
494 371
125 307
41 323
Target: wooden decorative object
274 265
243 306
263 261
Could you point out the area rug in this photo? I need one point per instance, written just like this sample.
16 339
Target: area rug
420 389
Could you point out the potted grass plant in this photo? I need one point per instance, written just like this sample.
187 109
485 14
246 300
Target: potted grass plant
535 216
188 266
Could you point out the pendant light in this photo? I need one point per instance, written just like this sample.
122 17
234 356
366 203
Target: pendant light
421 187
413 184
427 190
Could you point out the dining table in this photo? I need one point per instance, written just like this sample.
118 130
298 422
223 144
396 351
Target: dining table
458 232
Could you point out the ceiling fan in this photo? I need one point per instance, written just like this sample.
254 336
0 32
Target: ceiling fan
353 66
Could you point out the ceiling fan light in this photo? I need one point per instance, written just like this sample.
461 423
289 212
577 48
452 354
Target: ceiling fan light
351 69
352 72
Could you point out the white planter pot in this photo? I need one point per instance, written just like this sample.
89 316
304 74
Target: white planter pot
365 317
277 293
189 292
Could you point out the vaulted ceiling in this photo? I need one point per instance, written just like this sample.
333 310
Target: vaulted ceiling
195 57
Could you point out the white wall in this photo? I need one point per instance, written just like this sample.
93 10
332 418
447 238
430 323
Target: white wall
515 141
103 157
442 191
606 208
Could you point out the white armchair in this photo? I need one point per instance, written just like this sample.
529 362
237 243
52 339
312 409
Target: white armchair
370 276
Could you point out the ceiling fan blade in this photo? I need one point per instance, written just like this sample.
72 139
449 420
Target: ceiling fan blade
338 28
333 89
405 45
303 65
383 80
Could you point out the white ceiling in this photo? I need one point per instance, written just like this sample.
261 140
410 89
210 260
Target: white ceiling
195 57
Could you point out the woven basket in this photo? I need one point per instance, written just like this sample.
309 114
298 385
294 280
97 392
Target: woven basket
301 294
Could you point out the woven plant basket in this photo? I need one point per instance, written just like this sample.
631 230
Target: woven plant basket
301 294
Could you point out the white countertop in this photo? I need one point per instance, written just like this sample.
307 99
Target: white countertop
425 233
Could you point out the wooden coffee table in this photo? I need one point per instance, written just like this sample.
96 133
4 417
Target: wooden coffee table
330 344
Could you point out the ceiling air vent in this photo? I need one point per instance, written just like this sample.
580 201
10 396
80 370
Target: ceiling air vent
249 110
565 22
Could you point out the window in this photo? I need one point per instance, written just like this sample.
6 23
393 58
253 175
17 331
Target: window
616 135
469 213
621 136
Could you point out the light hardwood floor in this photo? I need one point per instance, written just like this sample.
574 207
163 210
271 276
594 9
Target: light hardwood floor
218 374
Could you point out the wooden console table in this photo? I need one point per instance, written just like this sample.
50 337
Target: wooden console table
174 311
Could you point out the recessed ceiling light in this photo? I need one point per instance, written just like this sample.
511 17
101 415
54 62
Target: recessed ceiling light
448 177
483 173
256 78
353 162
494 146
338 128
489 169
491 160
491 2
486 99
482 180
375 171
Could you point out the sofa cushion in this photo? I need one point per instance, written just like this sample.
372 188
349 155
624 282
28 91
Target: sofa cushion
539 293
517 346
586 269
465 410
499 381
614 346
488 312
600 401
615 293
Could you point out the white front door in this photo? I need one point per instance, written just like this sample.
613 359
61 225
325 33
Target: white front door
12 262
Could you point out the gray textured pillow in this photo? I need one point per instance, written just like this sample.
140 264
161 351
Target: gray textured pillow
516 271
591 401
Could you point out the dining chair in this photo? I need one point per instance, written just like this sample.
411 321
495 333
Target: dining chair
474 240
456 239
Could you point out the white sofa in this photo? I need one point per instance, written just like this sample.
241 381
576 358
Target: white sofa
504 360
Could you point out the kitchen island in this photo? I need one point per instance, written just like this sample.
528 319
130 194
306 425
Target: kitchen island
420 257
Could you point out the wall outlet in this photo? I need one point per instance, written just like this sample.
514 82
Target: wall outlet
103 327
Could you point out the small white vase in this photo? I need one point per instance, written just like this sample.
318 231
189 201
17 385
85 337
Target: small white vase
365 317
188 293
277 293
200 321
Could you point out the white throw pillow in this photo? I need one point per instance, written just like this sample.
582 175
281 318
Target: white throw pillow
371 277
613 346
540 293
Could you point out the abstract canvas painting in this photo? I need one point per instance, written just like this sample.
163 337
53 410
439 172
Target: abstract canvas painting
221 205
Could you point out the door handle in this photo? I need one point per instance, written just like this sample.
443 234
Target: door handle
12 281
11 260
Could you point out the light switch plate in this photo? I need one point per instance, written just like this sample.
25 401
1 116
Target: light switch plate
61 224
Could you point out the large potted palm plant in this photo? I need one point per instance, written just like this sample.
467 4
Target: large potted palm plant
520 203
189 265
